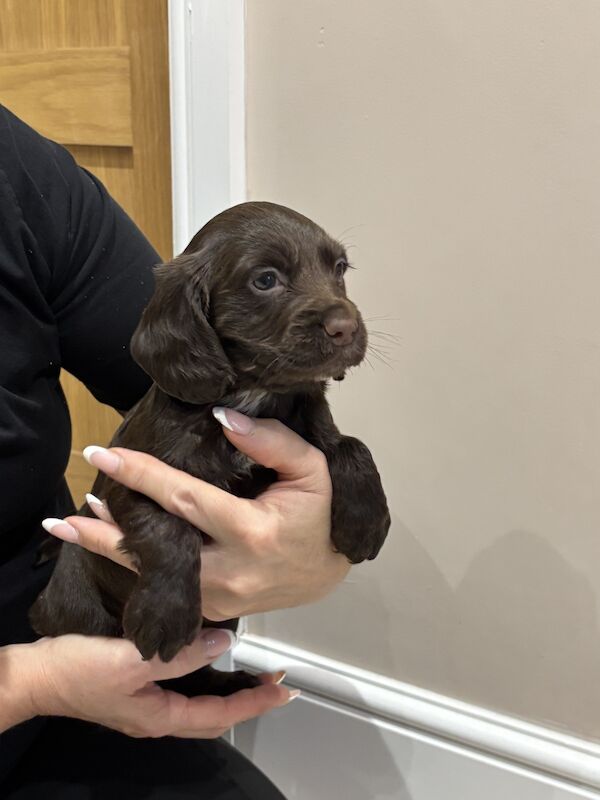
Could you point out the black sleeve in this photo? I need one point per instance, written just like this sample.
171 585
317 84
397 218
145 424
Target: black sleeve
91 263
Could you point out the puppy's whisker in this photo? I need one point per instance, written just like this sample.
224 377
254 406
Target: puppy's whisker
269 366
385 346
351 228
281 361
368 360
380 356
377 347
383 356
385 333
389 337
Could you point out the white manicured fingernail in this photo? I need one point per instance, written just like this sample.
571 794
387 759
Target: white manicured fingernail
279 677
60 529
219 414
218 641
293 695
92 500
98 507
89 451
101 458
235 639
233 420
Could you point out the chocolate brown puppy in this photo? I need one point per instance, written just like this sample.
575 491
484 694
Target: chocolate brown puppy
253 316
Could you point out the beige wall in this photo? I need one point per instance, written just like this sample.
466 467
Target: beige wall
455 146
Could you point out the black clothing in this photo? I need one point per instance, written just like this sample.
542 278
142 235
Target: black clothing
72 760
75 275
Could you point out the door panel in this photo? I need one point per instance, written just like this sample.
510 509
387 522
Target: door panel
78 95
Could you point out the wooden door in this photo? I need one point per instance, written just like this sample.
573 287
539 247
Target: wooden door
94 76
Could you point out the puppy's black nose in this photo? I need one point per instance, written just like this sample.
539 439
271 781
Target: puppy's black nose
340 326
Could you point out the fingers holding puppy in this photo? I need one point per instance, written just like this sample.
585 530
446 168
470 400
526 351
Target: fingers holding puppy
274 445
95 535
207 507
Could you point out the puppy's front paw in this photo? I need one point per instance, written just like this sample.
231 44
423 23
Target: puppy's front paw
360 541
360 519
160 622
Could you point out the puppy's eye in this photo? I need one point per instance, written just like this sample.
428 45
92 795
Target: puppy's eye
341 265
266 280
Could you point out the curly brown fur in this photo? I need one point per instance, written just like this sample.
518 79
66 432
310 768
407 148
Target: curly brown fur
253 315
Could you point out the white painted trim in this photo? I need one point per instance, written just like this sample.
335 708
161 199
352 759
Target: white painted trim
237 101
179 81
206 67
356 755
494 734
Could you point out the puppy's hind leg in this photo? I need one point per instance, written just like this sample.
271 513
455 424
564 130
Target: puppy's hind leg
72 601
209 680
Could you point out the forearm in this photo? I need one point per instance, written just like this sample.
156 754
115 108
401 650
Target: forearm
17 684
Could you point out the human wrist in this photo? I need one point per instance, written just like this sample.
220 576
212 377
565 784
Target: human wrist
20 689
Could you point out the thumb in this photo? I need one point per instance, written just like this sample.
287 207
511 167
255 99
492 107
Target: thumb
272 444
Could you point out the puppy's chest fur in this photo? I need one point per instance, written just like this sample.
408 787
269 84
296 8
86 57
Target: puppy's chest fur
250 402
191 439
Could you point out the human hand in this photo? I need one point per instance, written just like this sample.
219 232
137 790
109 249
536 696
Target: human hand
106 681
271 552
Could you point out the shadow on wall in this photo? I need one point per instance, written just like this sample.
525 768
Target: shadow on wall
490 641
492 638
544 658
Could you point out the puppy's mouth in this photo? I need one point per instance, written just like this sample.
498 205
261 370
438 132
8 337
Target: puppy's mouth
342 359
309 358
317 364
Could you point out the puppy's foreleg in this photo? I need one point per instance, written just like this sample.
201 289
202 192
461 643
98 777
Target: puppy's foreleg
162 613
360 518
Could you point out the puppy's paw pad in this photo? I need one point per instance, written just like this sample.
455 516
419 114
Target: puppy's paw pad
362 544
164 629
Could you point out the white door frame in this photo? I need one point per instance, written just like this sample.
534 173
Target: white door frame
208 154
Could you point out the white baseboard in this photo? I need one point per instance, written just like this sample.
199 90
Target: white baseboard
351 725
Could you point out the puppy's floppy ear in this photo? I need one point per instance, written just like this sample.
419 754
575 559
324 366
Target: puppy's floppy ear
174 342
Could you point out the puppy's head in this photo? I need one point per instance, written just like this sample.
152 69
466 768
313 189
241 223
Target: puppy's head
257 300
